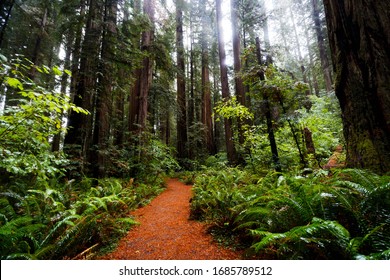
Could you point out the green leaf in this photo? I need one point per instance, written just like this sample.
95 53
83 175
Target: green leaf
57 71
13 82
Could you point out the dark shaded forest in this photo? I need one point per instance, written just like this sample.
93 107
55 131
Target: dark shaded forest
278 112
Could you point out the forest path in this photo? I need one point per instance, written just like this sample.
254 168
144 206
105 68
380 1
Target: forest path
166 233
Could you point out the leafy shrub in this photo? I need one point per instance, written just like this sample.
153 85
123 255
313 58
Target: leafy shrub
33 116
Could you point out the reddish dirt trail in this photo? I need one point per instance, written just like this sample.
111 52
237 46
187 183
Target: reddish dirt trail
166 233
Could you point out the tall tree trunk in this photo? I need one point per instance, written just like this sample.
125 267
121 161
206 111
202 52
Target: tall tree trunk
104 91
139 97
40 37
268 115
230 149
360 43
239 86
80 133
181 86
206 85
298 44
55 147
191 99
326 68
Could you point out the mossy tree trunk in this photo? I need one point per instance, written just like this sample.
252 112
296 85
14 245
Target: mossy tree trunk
360 43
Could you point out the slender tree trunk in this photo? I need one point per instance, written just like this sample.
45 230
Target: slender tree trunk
326 67
191 100
239 86
298 44
268 115
314 80
181 86
64 84
206 85
41 35
360 43
230 149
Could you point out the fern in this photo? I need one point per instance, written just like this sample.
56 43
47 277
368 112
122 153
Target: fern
328 235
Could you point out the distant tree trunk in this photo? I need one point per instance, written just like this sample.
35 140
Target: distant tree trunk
326 67
191 99
240 89
206 85
55 147
314 80
298 44
230 149
360 43
40 37
267 43
181 86
268 115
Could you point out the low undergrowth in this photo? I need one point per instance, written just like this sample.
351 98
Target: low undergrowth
68 220
341 215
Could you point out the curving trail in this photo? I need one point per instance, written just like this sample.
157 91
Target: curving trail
166 233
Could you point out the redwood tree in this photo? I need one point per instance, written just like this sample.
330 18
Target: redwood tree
230 149
181 86
360 43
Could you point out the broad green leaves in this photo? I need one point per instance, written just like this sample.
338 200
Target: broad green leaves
33 117
232 109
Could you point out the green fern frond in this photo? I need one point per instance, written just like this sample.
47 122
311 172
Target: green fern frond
385 255
318 231
12 194
268 239
21 256
54 231
76 234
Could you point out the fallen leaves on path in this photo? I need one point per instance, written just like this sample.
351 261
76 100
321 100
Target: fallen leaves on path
166 233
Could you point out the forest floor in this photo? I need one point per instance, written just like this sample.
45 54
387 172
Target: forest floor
166 233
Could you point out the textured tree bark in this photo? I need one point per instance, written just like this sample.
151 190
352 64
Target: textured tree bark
147 69
138 111
80 133
230 149
206 86
181 86
104 92
360 43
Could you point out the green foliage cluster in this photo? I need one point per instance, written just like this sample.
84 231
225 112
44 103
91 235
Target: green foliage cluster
145 157
32 117
284 216
291 111
60 221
